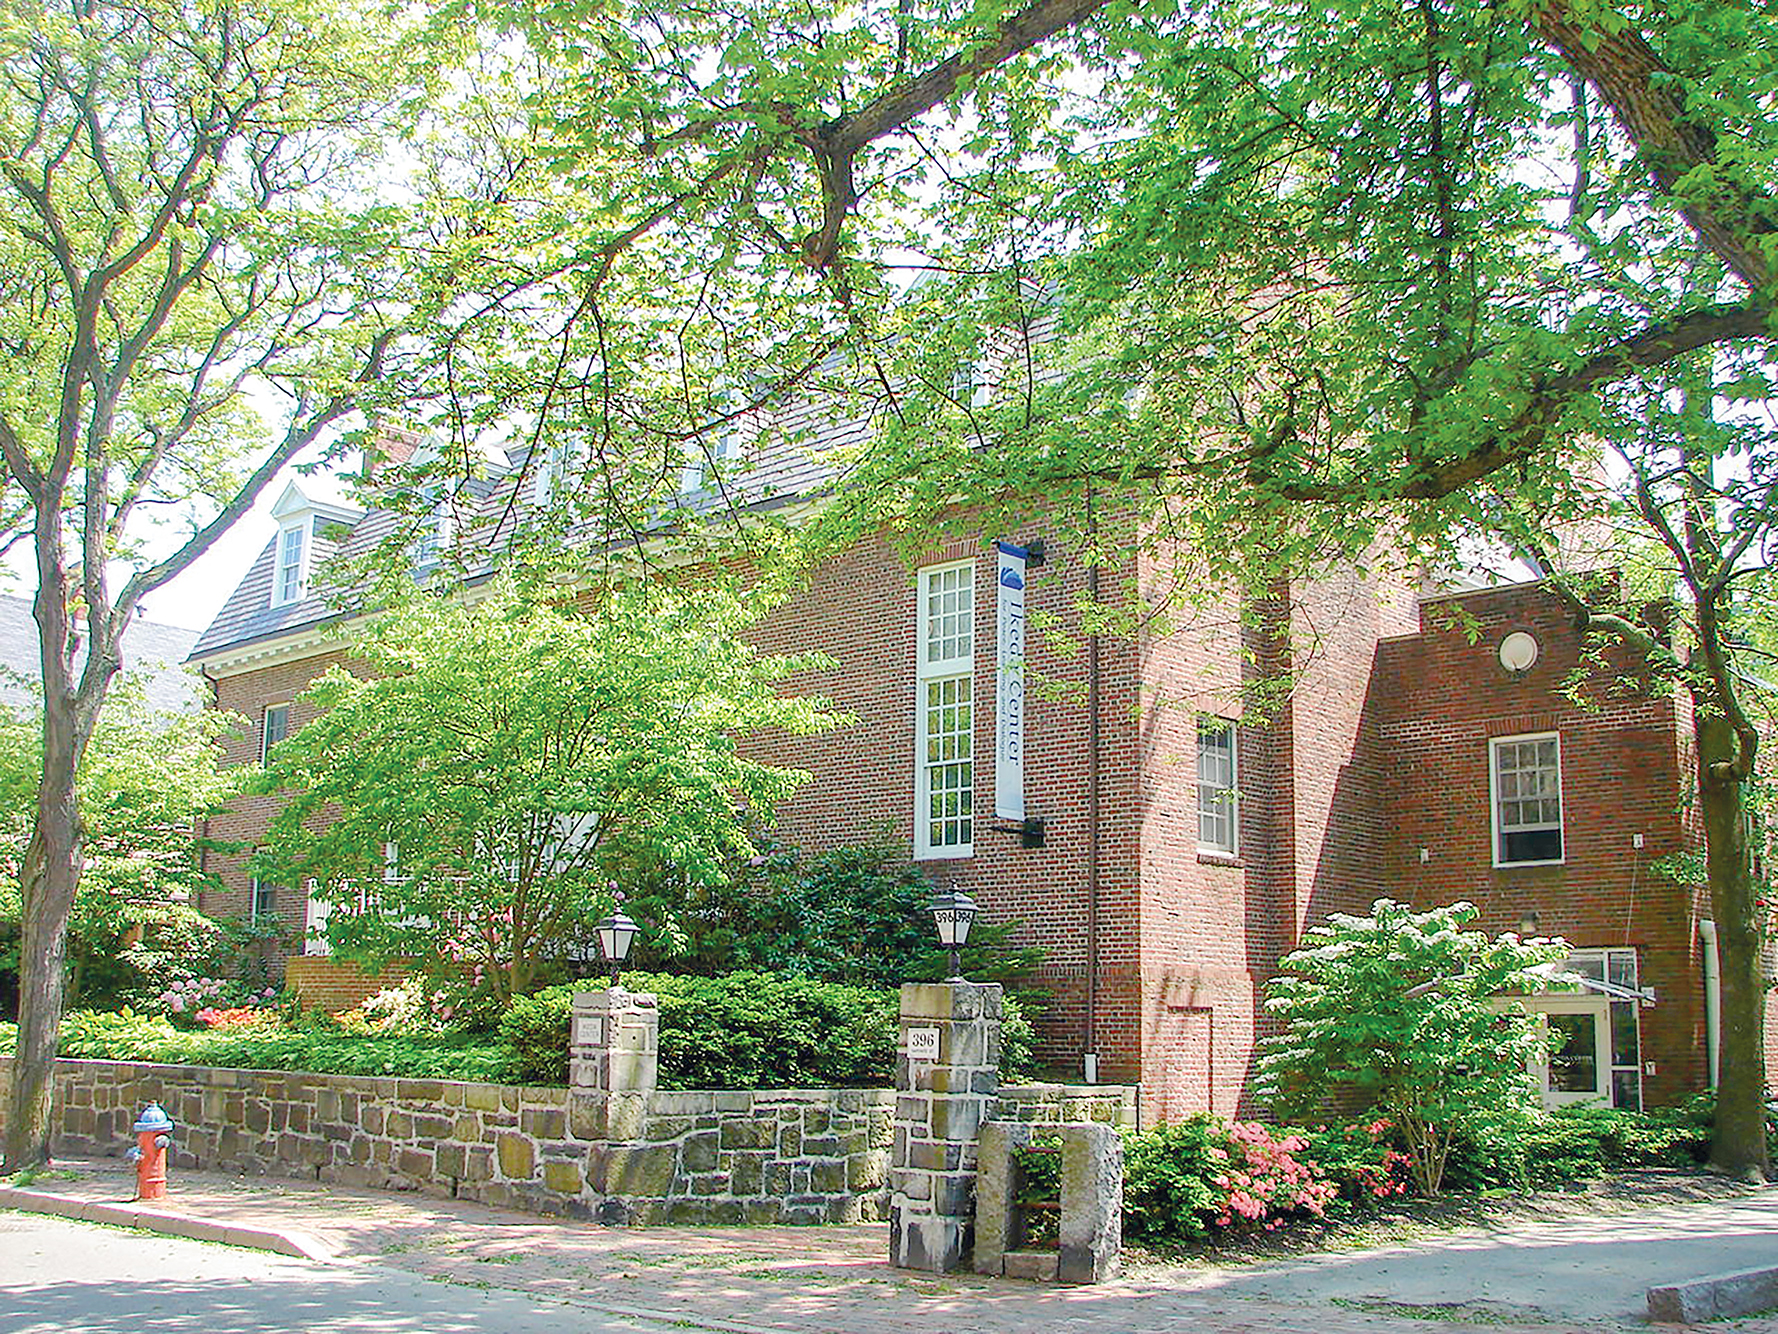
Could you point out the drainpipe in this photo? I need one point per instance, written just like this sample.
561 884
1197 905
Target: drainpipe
1090 1059
1712 996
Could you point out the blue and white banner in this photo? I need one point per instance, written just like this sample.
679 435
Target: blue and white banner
1009 700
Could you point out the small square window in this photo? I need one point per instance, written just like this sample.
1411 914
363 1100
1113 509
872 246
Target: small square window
1526 775
1217 800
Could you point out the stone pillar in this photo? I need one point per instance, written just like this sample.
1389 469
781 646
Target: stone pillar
947 1077
614 1042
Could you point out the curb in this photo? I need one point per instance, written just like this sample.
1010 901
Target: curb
166 1222
1743 1292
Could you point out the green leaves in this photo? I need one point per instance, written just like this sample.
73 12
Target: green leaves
1413 1015
496 770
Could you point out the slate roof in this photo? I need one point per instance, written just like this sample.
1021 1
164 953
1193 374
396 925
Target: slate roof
791 455
153 653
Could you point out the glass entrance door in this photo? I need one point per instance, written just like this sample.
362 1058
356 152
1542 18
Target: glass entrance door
1579 1065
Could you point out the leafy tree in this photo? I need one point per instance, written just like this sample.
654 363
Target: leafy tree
1408 1013
1292 279
478 794
859 914
189 215
146 782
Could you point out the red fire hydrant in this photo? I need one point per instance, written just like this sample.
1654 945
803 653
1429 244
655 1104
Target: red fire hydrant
154 1131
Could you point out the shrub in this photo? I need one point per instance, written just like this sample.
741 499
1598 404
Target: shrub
237 1017
1185 1179
1403 1012
127 1036
1575 1144
859 914
749 1030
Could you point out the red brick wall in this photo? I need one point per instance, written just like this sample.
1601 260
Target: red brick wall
861 611
248 693
1442 695
332 985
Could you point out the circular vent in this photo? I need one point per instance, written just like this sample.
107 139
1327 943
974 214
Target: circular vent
1518 651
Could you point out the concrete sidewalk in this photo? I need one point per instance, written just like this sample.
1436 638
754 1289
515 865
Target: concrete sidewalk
1583 1274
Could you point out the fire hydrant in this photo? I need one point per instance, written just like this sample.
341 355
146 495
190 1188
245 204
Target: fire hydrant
154 1131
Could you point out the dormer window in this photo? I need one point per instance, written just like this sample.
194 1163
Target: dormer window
549 474
291 575
431 536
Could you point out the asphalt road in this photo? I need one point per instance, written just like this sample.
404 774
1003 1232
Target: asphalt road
82 1278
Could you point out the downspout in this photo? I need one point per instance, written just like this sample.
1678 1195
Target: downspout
204 827
1090 1059
1712 996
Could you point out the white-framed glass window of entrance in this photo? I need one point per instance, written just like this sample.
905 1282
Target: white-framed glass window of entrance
1525 790
1595 1039
944 781
274 727
290 571
1218 815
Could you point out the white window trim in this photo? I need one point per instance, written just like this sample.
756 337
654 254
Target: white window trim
1234 844
301 526
1494 744
925 672
431 538
265 713
253 888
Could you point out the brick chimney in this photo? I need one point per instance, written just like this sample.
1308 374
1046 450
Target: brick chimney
390 444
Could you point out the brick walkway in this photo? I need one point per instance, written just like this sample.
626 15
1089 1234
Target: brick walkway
827 1280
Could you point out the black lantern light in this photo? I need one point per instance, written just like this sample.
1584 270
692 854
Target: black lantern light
616 933
953 912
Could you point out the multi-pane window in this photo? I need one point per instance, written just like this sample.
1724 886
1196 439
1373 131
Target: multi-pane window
1527 783
430 536
1217 815
287 578
944 798
265 899
274 729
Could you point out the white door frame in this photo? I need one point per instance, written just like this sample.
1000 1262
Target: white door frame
1599 1008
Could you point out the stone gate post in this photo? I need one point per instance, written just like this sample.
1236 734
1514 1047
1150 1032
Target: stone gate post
947 1081
614 1042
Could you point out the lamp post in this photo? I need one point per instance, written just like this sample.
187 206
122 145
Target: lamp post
616 933
953 913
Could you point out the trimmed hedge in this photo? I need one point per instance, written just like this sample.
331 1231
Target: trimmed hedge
125 1036
749 1030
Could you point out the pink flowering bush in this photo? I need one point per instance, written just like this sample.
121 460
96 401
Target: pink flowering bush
236 1017
1188 1179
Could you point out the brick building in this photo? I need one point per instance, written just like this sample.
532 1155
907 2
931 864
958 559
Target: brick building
1188 839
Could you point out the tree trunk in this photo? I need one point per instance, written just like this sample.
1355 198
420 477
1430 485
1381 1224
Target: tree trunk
1739 1146
50 875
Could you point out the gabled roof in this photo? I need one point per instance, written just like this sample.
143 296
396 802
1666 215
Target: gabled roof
153 653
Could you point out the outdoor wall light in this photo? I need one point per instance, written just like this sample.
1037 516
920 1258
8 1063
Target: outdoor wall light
616 933
953 912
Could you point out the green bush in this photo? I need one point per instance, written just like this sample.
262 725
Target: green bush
749 1030
126 1036
859 914
1576 1144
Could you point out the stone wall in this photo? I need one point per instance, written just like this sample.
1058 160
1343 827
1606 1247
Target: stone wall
761 1156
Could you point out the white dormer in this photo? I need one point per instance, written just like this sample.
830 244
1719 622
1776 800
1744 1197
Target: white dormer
295 514
293 554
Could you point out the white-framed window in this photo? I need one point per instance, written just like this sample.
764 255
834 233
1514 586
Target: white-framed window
430 537
1218 804
944 779
273 728
550 469
264 901
1525 790
290 572
709 456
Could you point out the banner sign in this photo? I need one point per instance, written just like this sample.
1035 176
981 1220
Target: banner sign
1009 701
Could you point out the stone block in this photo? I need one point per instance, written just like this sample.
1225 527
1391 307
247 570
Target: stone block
1033 1266
1091 1228
828 1177
1715 1296
482 1097
517 1157
754 1134
929 1242
586 1116
746 1173
544 1122
699 1151
645 1172
563 1177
